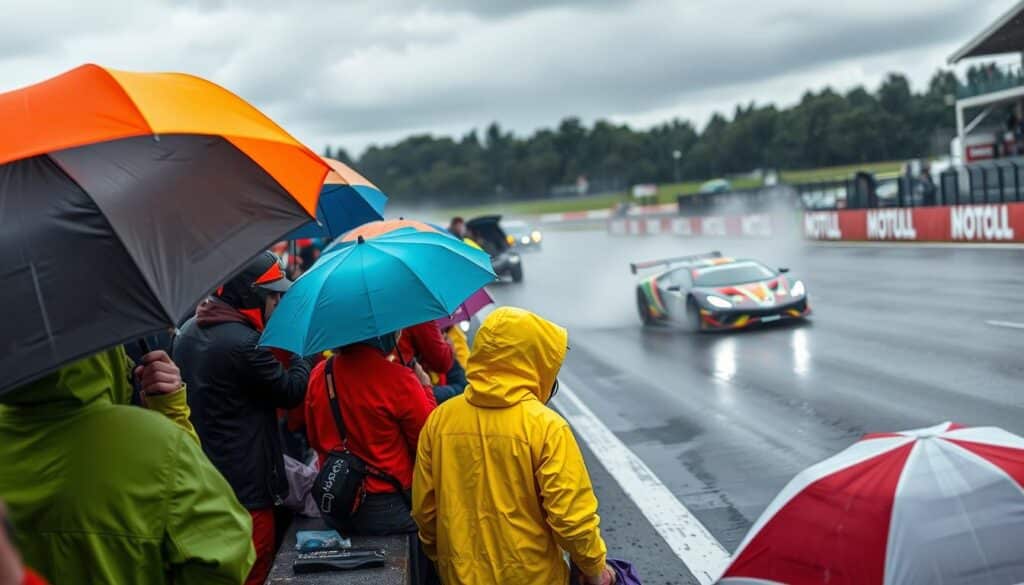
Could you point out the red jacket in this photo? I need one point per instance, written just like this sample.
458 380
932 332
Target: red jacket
383 406
426 343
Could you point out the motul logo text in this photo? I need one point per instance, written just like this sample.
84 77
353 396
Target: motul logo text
822 226
891 224
980 222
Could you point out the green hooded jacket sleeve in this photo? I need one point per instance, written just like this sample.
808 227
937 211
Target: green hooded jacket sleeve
103 493
175 407
204 543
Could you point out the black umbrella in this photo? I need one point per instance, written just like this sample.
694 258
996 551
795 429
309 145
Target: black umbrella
120 211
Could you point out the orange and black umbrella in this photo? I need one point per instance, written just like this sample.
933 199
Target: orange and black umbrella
124 199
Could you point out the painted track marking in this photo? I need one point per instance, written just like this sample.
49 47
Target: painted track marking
702 554
1008 324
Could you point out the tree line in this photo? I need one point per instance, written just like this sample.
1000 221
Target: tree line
824 128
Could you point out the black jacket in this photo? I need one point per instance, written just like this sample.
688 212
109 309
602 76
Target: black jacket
453 386
234 389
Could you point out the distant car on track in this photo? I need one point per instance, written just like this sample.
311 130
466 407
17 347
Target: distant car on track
487 233
715 186
522 236
713 292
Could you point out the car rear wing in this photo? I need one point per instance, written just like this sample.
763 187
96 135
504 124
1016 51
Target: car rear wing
634 266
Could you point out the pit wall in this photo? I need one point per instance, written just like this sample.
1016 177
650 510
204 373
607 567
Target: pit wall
950 223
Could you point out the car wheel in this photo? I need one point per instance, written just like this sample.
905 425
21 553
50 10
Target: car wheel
643 309
517 273
692 315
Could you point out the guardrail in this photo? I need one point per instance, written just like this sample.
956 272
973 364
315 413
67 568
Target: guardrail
997 181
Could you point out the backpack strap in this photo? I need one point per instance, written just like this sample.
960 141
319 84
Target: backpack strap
332 398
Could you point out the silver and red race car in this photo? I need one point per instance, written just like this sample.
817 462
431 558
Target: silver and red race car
710 291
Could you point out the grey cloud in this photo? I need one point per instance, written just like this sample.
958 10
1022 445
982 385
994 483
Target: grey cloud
331 70
502 8
632 61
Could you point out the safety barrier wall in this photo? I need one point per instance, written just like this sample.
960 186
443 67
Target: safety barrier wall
752 225
947 223
573 216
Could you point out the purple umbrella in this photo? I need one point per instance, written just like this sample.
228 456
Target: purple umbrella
472 306
625 573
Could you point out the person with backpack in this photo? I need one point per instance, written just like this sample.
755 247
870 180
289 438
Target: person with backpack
372 408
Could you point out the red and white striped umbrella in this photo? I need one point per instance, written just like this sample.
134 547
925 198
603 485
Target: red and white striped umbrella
938 505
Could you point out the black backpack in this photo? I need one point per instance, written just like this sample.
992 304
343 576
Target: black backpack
340 487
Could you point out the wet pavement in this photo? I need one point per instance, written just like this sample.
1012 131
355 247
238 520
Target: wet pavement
900 338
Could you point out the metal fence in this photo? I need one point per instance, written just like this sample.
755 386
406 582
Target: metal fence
997 181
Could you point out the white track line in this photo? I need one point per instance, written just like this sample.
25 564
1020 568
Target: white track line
1008 324
702 554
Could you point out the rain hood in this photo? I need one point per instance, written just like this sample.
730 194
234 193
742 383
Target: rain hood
101 377
516 356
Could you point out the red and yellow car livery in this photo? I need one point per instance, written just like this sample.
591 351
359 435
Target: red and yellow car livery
710 291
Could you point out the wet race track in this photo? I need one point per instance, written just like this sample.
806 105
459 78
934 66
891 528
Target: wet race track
900 338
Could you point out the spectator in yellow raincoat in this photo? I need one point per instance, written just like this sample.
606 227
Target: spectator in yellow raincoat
500 487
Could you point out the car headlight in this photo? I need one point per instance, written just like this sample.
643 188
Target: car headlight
718 302
798 289
513 259
464 325
525 240
511 240
536 236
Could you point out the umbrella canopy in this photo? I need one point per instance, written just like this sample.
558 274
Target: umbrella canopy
347 200
937 505
379 228
466 310
367 288
126 198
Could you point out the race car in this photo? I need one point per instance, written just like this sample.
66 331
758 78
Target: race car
709 291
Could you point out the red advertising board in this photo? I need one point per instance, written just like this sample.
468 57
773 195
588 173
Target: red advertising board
999 222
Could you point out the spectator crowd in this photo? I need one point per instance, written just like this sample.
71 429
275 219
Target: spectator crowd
171 465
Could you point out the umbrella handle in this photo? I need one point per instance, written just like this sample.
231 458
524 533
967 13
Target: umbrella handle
143 345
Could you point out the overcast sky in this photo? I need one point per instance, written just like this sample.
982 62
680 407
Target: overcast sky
353 73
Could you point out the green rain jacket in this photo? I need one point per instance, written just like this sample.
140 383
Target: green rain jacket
103 492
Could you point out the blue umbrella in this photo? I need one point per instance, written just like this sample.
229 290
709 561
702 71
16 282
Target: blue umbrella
347 200
367 288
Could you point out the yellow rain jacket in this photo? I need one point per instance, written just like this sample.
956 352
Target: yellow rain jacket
500 487
459 345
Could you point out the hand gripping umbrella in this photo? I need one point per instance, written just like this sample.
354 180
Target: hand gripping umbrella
124 199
